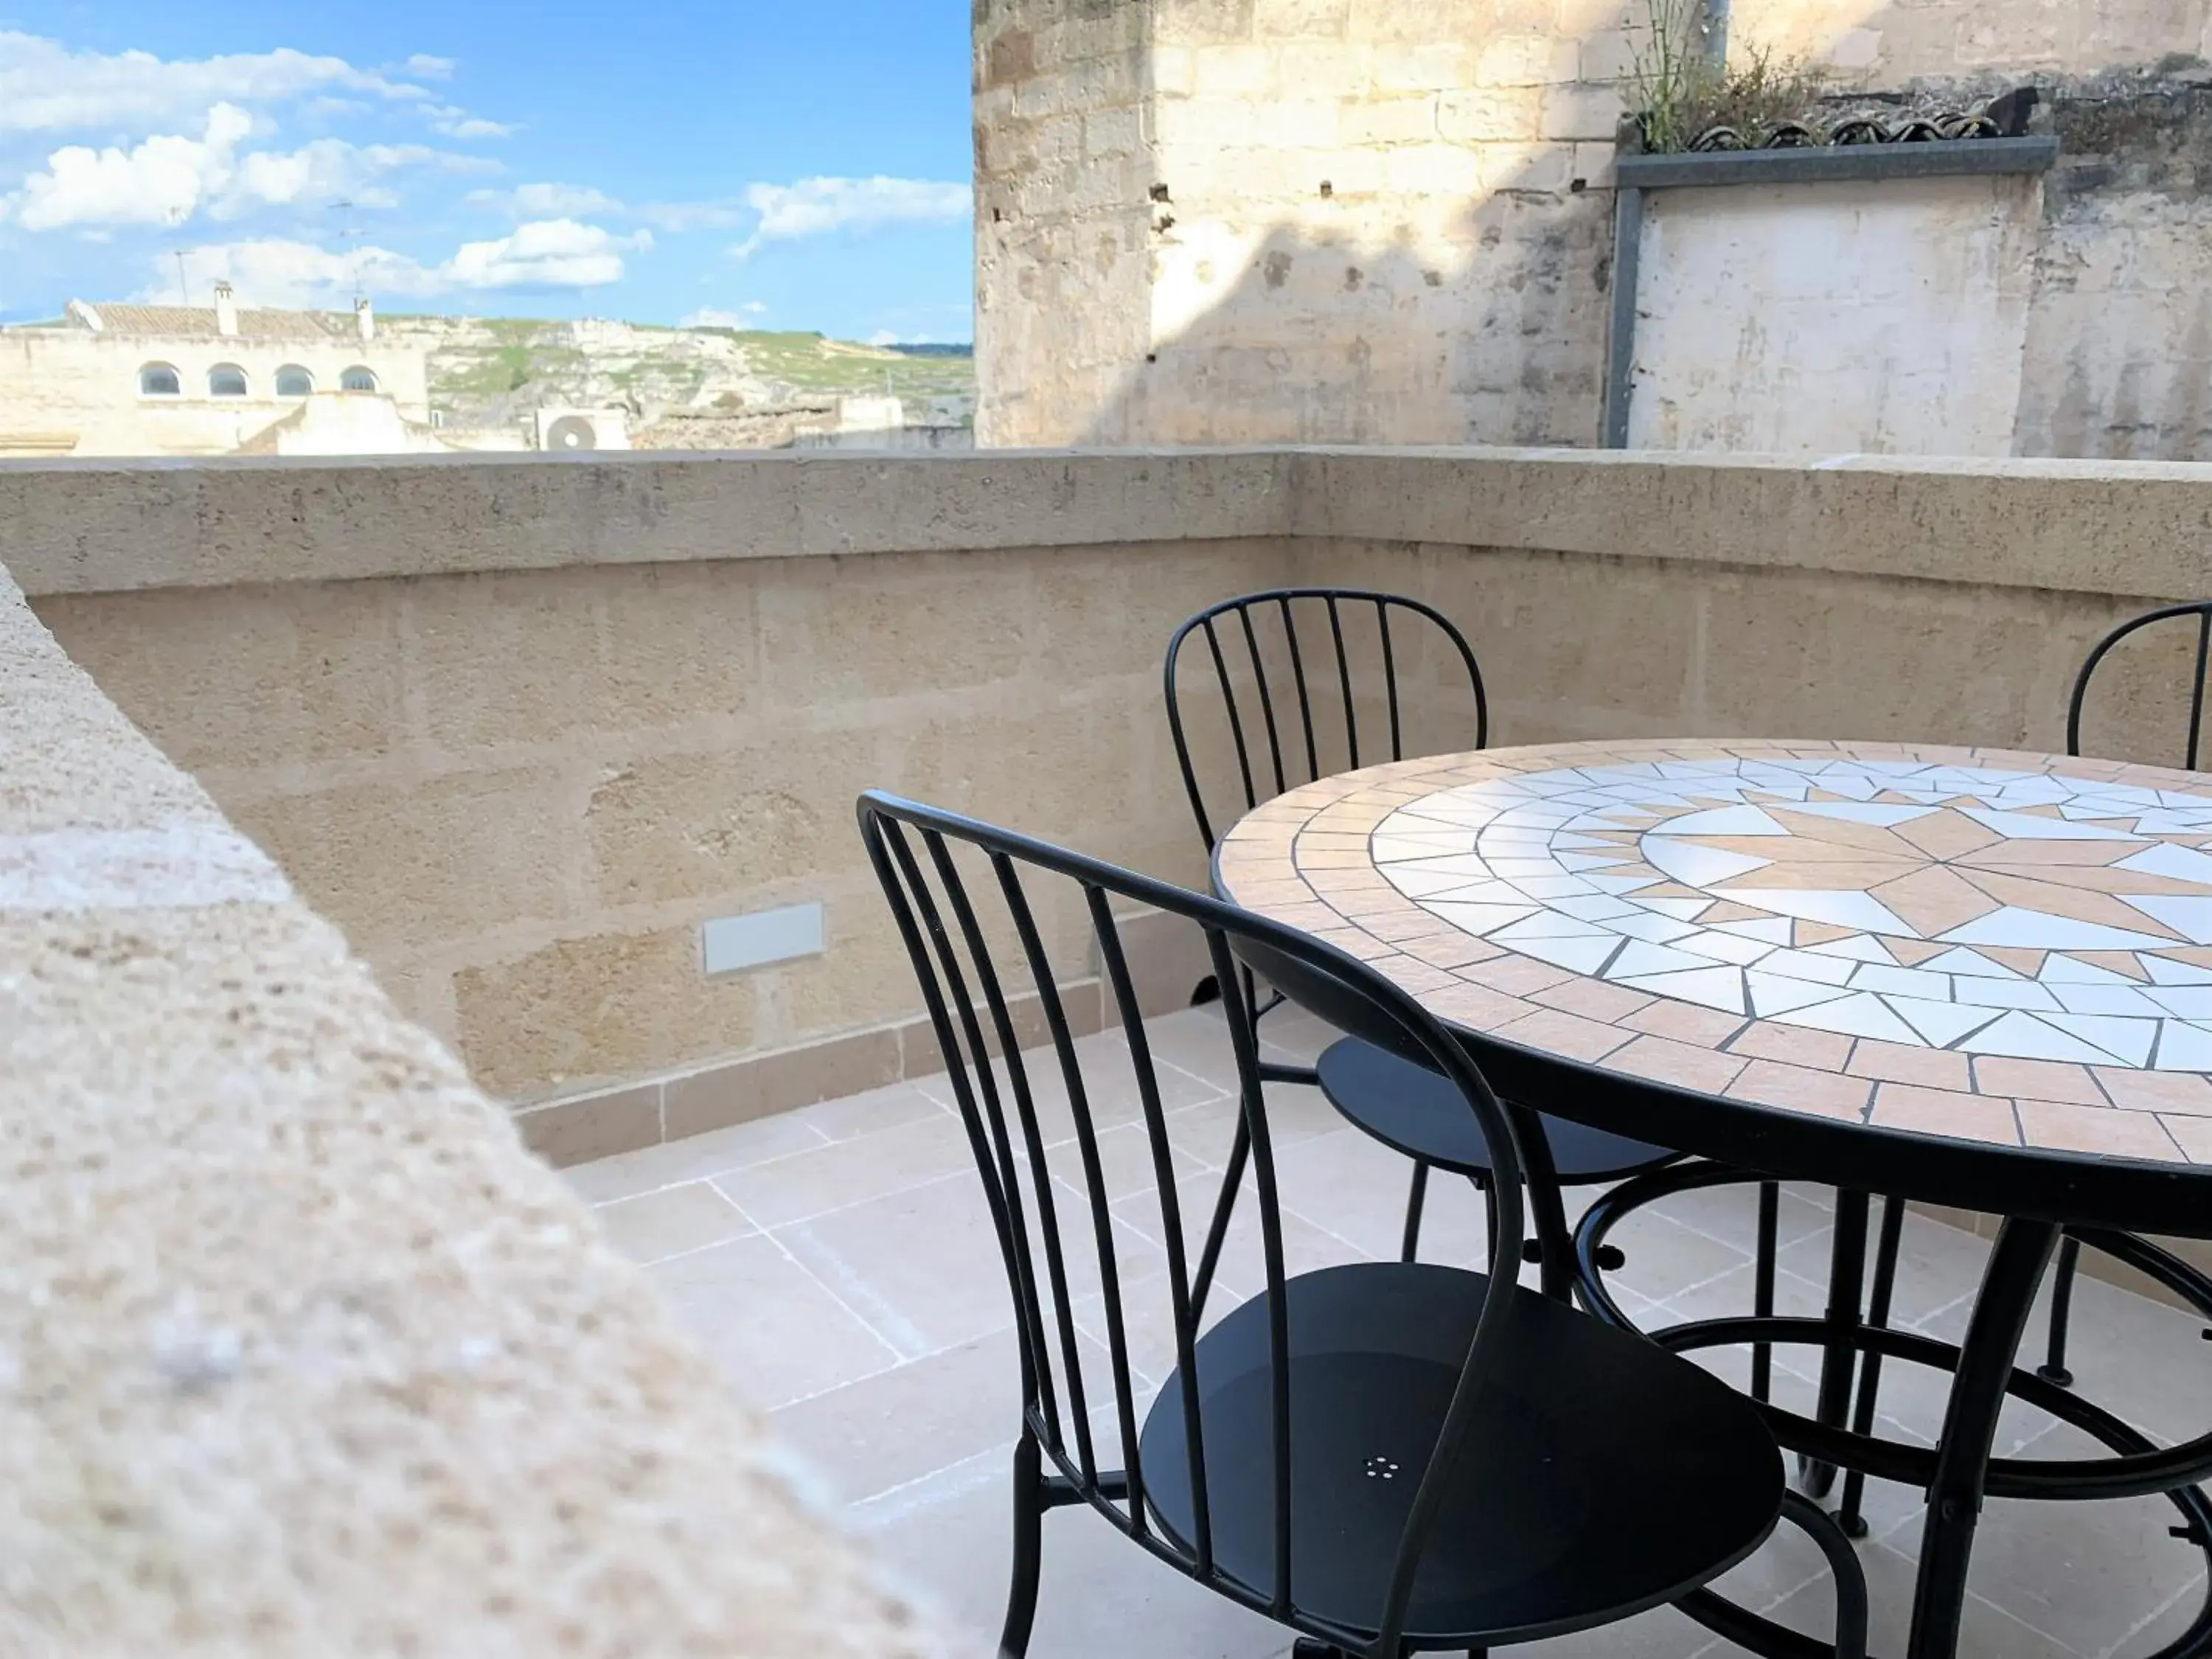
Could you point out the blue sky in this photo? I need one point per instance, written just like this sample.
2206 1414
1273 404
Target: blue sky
772 166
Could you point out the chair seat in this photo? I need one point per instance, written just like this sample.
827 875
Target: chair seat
1600 1475
1413 1109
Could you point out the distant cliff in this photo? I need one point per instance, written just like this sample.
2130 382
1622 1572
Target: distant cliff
494 372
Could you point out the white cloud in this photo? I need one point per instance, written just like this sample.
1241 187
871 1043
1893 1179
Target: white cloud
452 123
545 253
716 317
169 179
814 207
44 87
695 216
297 274
552 254
546 201
424 67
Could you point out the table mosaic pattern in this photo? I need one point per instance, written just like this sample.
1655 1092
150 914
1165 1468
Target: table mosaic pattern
2009 948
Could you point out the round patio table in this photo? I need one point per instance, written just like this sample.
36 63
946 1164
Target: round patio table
1963 976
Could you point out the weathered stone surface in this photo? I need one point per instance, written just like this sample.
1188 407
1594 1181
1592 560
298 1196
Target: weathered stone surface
292 1319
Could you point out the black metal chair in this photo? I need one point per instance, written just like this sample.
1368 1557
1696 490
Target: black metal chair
1383 1458
2067 1264
2053 1369
1402 1104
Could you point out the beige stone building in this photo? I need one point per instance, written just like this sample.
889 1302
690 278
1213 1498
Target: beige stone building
1376 220
137 380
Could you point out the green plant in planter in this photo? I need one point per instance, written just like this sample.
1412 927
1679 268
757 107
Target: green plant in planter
1682 88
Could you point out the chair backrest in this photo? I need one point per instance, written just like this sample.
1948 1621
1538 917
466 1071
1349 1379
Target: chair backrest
2202 611
1292 667
1003 933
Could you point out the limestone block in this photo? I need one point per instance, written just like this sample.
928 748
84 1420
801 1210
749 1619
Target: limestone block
1857 654
1174 70
1491 114
1200 22
1583 112
728 821
1315 69
1606 55
1431 66
1594 164
1393 120
863 977
1326 20
1296 123
534 656
1393 22
1526 60
1048 762
1235 71
923 622
1111 132
609 1005
249 675
409 865
1519 167
1433 169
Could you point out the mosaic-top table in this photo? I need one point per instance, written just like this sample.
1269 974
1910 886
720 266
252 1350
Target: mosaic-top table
1974 977
1988 952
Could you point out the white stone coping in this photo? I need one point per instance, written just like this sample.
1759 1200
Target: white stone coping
2124 527
300 1352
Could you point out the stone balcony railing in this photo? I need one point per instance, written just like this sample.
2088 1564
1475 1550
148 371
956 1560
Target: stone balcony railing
292 1309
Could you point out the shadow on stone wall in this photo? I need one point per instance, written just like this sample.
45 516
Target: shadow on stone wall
1487 324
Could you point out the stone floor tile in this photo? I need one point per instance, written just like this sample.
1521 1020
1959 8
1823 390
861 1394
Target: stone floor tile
1126 1162
1730 1213
2158 1631
1663 1258
1101 1595
1354 1185
1299 1035
656 1226
1986 1632
1306 1246
923 1266
1936 1265
2143 1359
832 1176
693 1158
1295 1112
876 1315
777 1331
864 1114
1111 1092
918 1417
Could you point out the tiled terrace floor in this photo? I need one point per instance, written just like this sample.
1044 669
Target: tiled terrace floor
839 1262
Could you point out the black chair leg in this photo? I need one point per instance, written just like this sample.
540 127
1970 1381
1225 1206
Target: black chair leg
2053 1369
1029 1548
1838 1364
1885 1281
1762 1283
1414 1199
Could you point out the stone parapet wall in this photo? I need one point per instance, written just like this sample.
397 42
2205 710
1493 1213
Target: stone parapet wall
304 1355
520 727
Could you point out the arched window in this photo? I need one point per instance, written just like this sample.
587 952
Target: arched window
357 379
226 380
159 381
293 381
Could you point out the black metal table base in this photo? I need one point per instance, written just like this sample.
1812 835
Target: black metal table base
1960 1471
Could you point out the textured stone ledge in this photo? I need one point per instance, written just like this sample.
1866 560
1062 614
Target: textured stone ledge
2120 527
2095 526
300 1351
84 528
